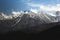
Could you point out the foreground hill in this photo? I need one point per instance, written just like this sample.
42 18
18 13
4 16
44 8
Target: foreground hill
51 33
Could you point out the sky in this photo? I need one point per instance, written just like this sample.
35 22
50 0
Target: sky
33 5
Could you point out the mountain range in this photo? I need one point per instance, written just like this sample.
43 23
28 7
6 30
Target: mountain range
27 21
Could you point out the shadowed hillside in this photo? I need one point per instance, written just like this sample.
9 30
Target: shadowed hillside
18 35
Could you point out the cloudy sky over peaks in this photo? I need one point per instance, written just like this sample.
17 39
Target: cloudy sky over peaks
34 5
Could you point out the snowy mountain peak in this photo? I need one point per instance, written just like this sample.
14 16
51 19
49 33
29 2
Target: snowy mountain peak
40 15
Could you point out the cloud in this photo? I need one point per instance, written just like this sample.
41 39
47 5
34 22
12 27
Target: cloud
10 16
33 5
16 14
34 10
25 0
50 8
45 7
